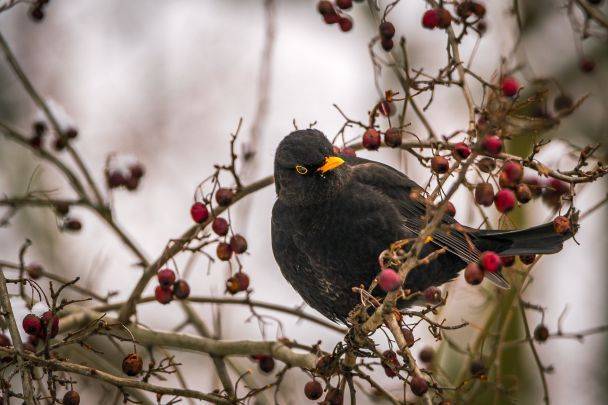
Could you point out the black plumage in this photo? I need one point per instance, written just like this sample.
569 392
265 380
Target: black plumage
334 216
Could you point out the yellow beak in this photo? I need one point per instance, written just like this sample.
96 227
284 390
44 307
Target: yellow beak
331 163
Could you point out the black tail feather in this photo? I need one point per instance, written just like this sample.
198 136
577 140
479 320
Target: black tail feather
540 239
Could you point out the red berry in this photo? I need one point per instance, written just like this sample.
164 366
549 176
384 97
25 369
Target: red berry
527 259
344 4
419 386
541 333
238 244
115 179
430 19
346 24
461 151
490 261
371 139
32 324
523 193
224 196
389 280
492 144
426 354
166 277
514 171
237 283
432 295
164 295
50 325
181 289
507 261
393 137
313 390
34 271
137 170
509 86
199 212
587 65
325 7
72 224
478 9
5 341
266 363
484 194
387 44
504 200
220 226
473 274
36 13
71 398
331 18
439 164
387 30
223 251
445 18
561 225
464 9
132 364
504 182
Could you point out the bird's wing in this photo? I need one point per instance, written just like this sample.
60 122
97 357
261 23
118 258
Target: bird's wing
403 191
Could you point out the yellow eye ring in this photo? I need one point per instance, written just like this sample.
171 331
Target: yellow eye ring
301 169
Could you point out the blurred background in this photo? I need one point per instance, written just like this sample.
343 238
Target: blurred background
168 81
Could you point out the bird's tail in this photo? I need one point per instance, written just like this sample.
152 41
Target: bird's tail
541 239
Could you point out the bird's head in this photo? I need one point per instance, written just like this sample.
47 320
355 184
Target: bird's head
306 169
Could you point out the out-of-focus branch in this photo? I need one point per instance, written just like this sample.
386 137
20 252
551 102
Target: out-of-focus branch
594 12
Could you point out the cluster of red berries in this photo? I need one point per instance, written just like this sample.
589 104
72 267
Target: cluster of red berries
387 32
488 262
47 325
199 211
132 364
237 283
512 188
128 177
265 362
169 287
36 11
390 363
372 139
335 13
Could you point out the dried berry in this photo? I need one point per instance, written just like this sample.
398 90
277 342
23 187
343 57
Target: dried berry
478 9
164 295
224 196
238 244
34 271
220 226
325 7
72 224
387 44
541 333
439 164
50 325
527 259
132 364
313 390
371 139
509 86
492 144
393 137
445 18
561 225
166 277
387 30
484 194
523 193
408 335
419 386
344 4
473 274
426 355
223 251
390 363
71 398
181 289
432 295
504 200
461 151
490 261
389 280
237 283
266 363
115 179
32 324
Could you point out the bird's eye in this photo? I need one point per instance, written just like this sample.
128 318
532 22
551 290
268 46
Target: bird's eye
301 169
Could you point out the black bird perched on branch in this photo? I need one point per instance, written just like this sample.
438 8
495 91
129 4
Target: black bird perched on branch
335 214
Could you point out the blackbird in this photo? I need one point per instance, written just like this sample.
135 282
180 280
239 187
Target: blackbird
335 214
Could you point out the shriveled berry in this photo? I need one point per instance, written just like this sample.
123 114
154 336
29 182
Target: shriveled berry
371 139
477 368
523 193
513 170
237 283
71 398
345 23
164 295
132 364
489 261
32 324
50 325
199 212
223 251
541 333
313 390
390 363
419 386
344 4
473 274
266 363
507 261
387 30
484 194
387 44
34 271
461 151
562 102
486 164
426 355
527 259
389 280
181 289
492 144
464 9
393 137
432 295
166 277
504 200
439 164
238 244
509 86
224 196
220 226
430 19
408 335
561 225
445 18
